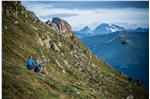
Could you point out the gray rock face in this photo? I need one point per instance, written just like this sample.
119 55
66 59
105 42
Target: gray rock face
61 25
43 40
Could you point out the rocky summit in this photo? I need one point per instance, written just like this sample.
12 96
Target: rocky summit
73 71
61 25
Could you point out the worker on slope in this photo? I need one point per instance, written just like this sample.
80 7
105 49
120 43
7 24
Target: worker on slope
30 63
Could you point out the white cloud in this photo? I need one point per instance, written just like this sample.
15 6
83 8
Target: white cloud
93 17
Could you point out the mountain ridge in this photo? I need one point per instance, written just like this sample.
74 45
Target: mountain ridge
105 28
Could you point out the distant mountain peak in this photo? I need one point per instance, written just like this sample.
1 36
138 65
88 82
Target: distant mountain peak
85 30
102 29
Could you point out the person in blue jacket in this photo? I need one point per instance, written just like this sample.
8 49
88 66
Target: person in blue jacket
30 63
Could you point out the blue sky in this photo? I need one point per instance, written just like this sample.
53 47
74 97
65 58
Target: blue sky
130 14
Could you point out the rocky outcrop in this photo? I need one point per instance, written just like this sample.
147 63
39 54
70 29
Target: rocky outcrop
43 40
62 25
16 9
48 22
13 9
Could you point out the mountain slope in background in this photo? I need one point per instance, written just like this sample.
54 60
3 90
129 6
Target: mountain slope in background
73 71
131 58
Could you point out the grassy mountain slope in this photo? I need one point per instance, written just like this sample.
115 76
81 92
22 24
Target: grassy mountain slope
73 71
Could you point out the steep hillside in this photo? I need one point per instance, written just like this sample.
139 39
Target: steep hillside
73 71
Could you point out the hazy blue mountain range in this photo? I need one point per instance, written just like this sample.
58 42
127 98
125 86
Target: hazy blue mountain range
105 28
131 58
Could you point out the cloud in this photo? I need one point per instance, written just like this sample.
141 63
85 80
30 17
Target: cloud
91 15
92 4
62 15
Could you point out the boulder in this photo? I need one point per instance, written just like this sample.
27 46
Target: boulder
80 69
62 54
93 65
5 27
55 47
130 97
63 71
78 93
66 62
16 22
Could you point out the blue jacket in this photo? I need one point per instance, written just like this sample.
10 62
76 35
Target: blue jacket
29 62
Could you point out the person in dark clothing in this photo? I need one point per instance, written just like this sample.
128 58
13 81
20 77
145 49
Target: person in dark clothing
37 67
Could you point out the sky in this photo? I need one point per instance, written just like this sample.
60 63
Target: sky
129 14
